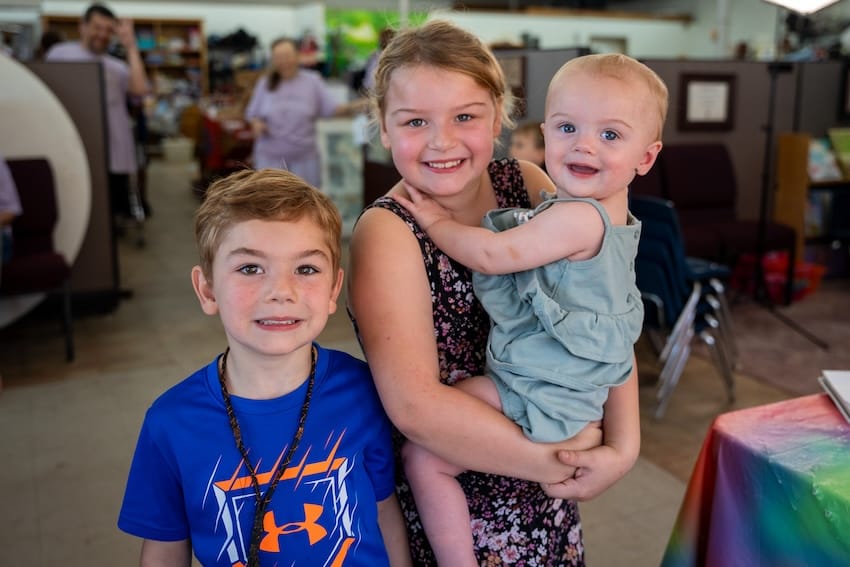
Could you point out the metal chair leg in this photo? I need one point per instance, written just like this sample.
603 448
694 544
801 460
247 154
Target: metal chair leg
666 389
680 345
720 363
724 314
719 334
67 322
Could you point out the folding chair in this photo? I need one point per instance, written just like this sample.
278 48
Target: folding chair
675 314
661 221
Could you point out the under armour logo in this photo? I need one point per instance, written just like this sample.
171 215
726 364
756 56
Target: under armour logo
315 532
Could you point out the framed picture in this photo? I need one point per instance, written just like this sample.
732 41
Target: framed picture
514 68
706 102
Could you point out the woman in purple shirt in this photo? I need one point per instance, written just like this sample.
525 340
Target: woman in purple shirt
10 207
283 111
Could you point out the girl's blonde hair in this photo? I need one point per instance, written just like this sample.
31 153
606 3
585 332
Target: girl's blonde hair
443 45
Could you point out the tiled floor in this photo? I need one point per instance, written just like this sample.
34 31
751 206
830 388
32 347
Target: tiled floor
68 430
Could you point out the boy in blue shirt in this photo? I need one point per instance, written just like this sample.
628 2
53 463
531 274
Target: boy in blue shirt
277 452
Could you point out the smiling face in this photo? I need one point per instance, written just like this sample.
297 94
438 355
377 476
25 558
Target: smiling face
96 33
273 284
440 127
600 131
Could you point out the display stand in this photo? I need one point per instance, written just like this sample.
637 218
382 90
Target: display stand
761 293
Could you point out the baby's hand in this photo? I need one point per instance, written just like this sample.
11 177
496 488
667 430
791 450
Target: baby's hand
424 209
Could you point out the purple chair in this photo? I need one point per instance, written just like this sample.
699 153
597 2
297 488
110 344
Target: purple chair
700 180
35 266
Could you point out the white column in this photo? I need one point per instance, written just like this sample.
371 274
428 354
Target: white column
403 10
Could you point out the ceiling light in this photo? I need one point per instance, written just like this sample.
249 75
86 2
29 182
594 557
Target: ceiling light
803 6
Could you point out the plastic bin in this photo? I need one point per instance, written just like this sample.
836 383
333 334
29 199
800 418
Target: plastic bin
807 276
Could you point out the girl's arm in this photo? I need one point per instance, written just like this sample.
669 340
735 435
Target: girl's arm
166 553
601 467
393 529
389 296
565 230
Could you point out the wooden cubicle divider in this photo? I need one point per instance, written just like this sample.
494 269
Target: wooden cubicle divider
792 184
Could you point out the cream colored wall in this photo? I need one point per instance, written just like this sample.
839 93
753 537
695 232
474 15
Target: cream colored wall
753 20
703 38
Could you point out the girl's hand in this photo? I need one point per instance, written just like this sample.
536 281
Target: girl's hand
424 209
596 470
555 468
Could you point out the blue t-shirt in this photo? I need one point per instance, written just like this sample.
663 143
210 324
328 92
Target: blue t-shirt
187 480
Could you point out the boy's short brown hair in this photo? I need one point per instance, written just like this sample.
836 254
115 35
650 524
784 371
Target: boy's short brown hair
267 194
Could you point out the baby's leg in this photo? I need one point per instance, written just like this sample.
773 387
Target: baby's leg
439 497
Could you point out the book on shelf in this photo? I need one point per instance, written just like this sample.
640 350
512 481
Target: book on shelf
836 383
817 214
840 139
822 163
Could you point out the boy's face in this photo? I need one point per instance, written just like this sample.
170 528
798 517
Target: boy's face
524 146
273 285
599 132
440 127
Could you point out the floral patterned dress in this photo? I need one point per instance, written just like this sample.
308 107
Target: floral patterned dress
513 521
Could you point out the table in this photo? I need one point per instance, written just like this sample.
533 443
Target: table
771 487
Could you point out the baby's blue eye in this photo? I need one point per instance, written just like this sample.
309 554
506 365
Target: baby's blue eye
416 122
610 135
464 117
567 128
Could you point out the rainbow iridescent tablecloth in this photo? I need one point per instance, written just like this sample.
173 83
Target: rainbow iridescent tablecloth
771 487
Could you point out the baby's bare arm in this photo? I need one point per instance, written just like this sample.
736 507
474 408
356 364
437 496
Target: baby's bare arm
565 230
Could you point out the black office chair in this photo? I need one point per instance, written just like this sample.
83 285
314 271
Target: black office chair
700 179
